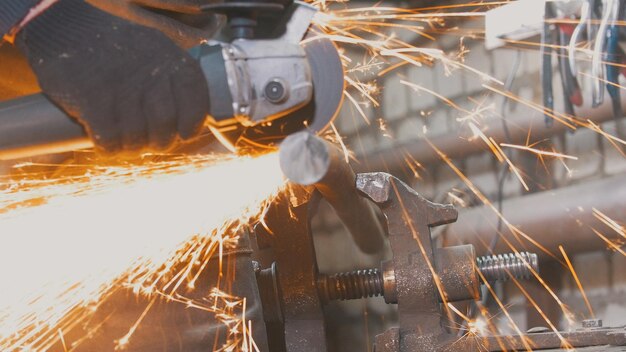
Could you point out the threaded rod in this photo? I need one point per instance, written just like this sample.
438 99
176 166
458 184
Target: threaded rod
501 267
369 283
352 285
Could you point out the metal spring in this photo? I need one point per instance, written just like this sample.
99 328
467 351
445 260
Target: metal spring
502 267
352 285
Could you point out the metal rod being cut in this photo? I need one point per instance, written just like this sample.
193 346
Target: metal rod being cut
306 159
32 126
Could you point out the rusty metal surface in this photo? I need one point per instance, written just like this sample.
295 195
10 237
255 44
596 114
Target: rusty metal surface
296 266
409 218
592 349
458 272
602 339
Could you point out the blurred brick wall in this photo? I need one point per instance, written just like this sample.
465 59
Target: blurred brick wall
409 115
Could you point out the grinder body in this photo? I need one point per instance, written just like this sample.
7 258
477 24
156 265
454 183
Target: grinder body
252 82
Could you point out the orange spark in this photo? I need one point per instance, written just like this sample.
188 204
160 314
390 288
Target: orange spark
539 151
609 222
578 283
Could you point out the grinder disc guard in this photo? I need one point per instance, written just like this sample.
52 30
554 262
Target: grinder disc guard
328 85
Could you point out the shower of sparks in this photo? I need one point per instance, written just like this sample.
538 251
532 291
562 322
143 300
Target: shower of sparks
367 28
230 311
67 243
374 30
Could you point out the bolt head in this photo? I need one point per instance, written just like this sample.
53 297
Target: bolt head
276 91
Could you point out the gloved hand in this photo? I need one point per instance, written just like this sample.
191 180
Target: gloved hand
129 85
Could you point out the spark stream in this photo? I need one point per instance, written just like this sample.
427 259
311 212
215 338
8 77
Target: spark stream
68 242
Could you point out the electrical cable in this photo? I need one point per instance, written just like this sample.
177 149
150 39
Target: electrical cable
508 84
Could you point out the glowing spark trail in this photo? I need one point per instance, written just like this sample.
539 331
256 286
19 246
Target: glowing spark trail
578 283
126 225
539 152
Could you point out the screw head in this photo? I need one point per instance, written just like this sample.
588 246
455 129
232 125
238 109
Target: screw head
275 91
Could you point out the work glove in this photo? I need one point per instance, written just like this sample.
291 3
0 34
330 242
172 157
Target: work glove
181 20
130 86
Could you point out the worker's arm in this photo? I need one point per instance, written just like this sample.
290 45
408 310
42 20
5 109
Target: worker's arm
129 85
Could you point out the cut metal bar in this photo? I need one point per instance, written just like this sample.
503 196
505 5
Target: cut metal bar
306 159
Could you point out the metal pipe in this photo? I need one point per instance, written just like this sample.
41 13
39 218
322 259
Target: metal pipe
306 159
32 126
456 145
551 218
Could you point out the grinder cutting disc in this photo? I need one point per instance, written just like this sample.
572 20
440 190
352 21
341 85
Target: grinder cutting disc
328 85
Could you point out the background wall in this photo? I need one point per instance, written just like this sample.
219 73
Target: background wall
406 118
